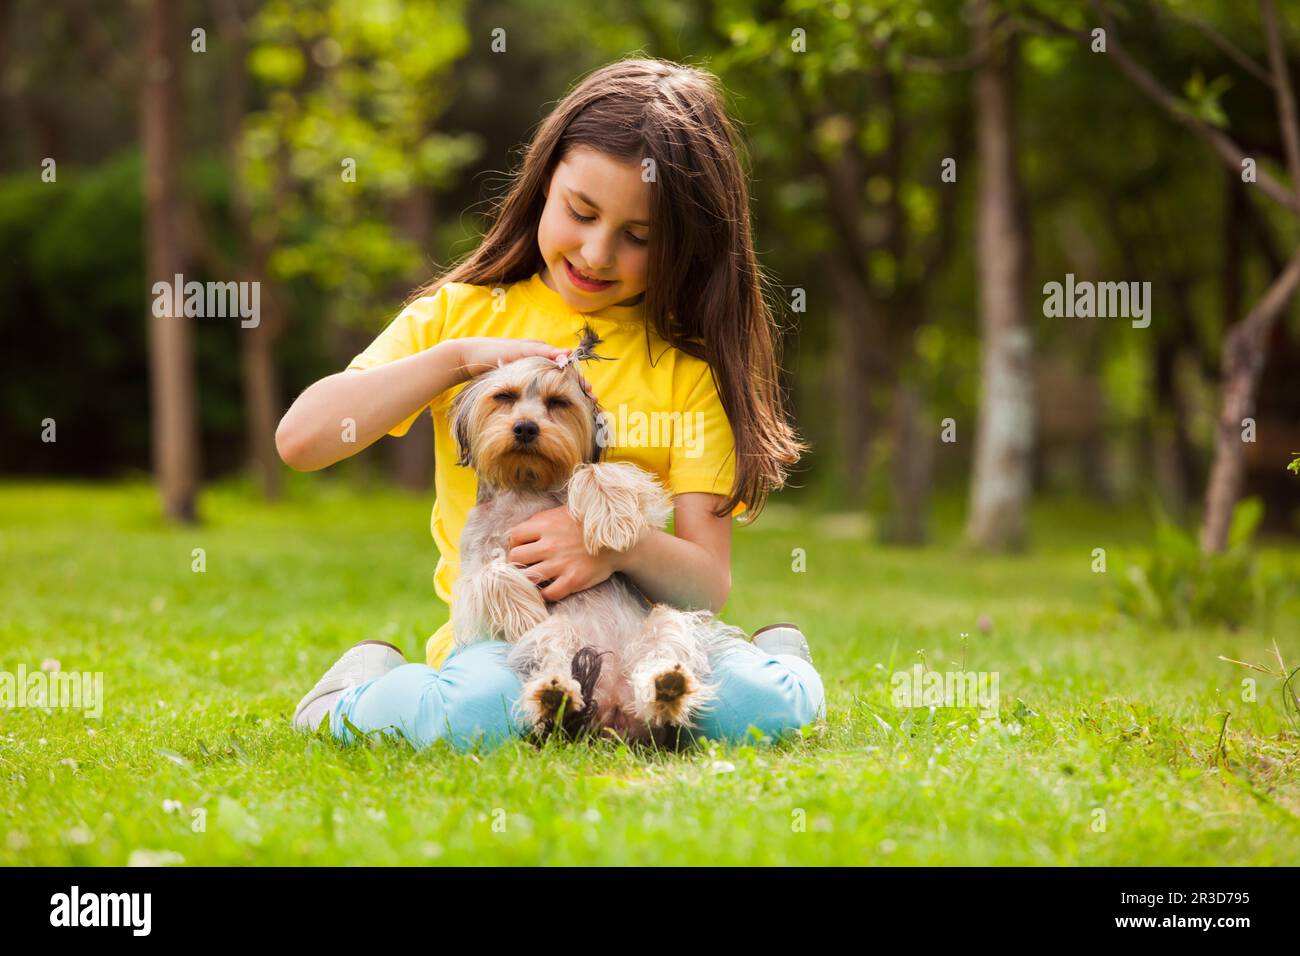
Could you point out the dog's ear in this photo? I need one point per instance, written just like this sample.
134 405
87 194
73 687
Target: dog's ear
462 409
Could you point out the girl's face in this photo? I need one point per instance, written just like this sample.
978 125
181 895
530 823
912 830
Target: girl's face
595 226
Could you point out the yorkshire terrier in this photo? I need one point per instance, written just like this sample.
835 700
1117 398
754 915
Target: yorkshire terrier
600 660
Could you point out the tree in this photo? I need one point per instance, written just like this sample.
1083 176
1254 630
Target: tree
337 167
1000 484
258 366
173 394
854 127
1245 346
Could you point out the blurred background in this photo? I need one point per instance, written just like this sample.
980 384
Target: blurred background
920 170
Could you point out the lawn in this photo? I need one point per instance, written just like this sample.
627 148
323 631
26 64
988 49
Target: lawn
1110 747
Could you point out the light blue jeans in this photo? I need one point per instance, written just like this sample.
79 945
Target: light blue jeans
471 699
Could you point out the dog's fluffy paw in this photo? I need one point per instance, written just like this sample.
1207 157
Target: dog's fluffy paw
542 698
616 503
500 599
667 695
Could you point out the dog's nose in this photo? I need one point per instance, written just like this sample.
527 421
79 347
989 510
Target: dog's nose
525 432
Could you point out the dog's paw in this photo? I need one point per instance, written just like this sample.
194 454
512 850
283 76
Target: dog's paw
518 606
616 503
667 695
543 697
500 599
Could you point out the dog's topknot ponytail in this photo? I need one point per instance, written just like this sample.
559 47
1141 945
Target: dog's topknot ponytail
586 350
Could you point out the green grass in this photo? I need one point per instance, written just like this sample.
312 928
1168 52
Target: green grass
201 672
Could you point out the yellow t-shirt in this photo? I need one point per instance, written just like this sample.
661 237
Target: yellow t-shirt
661 405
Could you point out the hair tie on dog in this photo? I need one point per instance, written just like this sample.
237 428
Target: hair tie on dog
586 350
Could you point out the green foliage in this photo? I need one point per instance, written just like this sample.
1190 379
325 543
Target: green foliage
77 307
352 93
1179 586
825 93
72 267
1204 98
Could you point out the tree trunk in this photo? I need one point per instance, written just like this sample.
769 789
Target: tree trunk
1235 209
1171 456
260 374
1245 350
1002 476
173 396
913 466
857 317
853 317
411 456
262 402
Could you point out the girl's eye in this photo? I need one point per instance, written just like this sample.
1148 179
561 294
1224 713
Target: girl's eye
506 397
555 403
574 216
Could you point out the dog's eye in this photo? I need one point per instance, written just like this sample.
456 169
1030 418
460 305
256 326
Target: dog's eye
555 403
506 398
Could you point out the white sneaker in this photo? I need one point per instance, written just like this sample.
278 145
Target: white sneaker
783 639
360 663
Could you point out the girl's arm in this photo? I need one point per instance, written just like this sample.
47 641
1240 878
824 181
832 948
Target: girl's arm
689 570
311 434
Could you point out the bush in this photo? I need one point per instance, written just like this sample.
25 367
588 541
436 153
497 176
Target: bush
1179 586
72 276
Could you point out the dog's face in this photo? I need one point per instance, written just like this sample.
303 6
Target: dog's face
527 425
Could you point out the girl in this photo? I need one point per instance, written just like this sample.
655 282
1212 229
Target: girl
630 213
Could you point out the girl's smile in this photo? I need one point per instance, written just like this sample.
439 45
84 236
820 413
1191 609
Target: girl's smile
585 283
594 231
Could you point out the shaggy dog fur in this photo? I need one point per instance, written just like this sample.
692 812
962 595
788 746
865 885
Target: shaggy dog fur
600 658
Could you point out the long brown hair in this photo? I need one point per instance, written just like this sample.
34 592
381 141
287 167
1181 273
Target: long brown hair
705 290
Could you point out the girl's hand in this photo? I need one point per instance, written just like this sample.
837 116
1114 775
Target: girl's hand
476 355
549 547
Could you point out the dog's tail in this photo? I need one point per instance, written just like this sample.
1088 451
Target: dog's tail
585 669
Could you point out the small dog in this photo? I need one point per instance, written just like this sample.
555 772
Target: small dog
604 657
